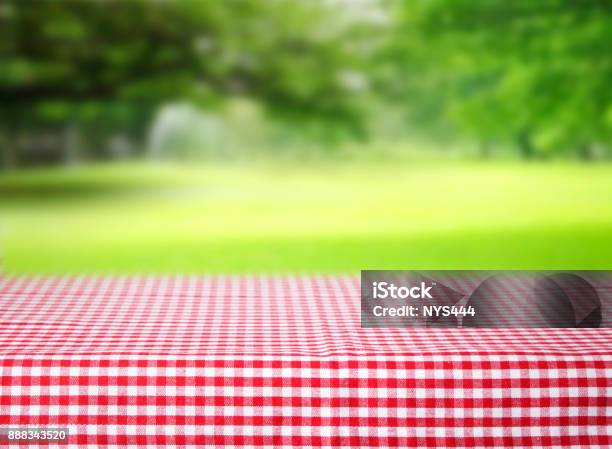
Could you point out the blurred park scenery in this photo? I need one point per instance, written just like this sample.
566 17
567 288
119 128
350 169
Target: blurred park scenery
185 136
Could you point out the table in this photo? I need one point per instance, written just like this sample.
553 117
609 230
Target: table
281 361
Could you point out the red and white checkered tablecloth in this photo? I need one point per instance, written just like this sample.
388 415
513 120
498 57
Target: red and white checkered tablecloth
279 362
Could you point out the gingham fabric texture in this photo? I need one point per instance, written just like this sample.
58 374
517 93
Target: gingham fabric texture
281 362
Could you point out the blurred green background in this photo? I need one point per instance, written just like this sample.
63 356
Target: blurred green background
305 136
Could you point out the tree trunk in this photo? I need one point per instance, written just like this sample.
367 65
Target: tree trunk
8 151
525 145
485 149
72 140
586 153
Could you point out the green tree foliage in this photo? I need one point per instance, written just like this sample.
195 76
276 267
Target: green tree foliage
77 76
91 70
536 74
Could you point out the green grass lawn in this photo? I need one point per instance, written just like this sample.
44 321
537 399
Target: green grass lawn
163 219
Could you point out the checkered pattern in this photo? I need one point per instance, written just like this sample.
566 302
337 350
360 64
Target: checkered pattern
279 362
